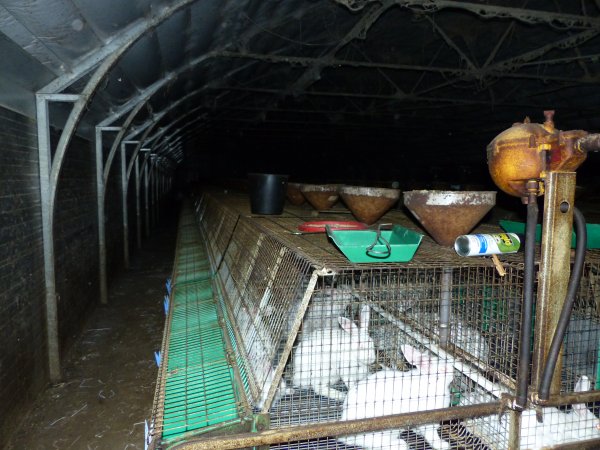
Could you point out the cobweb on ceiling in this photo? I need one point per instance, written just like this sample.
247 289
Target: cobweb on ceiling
354 5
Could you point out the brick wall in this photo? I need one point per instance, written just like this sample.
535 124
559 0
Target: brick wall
23 367
23 360
76 240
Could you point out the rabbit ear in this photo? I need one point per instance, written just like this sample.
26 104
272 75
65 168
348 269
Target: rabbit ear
583 384
365 315
347 325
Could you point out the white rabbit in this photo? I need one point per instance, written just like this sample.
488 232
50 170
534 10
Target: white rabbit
583 424
325 308
394 392
465 337
323 312
326 356
558 427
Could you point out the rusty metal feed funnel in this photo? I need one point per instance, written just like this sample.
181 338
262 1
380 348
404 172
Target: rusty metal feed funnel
321 196
294 195
448 214
368 204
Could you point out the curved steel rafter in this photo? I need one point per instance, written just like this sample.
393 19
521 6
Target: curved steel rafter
126 41
50 167
530 16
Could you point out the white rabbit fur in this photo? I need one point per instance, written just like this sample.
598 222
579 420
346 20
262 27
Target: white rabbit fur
324 309
394 392
558 427
328 355
464 336
322 313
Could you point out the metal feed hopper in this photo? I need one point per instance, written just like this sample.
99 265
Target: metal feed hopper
448 214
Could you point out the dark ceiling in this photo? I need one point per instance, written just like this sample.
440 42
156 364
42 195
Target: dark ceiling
408 90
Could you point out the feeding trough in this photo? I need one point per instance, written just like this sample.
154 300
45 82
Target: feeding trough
368 204
448 214
321 196
294 195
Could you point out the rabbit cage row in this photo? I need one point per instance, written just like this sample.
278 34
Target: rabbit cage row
323 341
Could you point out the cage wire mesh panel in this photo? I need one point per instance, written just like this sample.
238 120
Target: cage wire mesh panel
438 332
582 340
350 359
263 285
217 223
197 389
569 423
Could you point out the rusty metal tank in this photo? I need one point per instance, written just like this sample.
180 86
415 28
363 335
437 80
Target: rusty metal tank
526 151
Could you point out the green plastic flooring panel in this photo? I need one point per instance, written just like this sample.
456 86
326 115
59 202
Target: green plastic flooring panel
199 381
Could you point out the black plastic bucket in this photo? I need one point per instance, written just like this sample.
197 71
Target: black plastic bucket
267 192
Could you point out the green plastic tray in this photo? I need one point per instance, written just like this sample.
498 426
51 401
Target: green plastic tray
593 232
354 243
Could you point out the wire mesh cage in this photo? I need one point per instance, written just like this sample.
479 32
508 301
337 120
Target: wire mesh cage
568 422
337 343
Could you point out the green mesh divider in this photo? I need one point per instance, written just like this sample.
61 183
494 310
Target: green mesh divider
191 264
199 382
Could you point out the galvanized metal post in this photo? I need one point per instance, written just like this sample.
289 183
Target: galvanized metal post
157 193
146 199
45 163
124 185
153 185
100 194
49 171
149 208
555 269
100 205
138 213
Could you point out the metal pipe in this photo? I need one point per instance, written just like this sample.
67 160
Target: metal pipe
565 316
527 309
589 143
339 428
445 301
567 399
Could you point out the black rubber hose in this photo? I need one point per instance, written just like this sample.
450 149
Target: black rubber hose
565 314
529 277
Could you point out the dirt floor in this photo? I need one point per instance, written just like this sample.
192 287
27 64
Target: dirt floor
109 375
